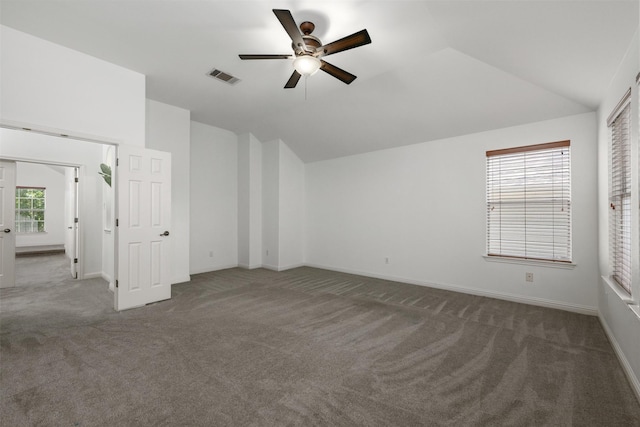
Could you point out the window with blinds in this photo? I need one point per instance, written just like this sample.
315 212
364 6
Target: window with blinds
620 194
529 202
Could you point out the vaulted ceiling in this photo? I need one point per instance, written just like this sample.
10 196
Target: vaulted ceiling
434 69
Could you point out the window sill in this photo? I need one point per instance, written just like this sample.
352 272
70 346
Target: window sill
535 262
625 297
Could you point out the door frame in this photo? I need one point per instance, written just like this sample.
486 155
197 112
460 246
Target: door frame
78 229
68 134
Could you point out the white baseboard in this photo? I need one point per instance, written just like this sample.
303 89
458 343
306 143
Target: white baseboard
247 267
210 269
107 279
626 366
174 281
92 276
180 279
282 268
576 308
250 267
290 266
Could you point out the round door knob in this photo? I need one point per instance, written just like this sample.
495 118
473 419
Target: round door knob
166 233
7 230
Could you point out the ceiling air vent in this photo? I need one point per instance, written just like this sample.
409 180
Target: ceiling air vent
222 76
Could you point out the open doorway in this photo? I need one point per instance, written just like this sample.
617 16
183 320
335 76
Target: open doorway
46 224
62 227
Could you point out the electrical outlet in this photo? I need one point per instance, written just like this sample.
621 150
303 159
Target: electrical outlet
386 260
210 254
529 277
267 252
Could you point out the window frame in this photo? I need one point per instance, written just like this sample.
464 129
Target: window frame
619 194
548 177
31 210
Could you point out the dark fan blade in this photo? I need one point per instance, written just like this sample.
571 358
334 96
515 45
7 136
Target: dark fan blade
336 72
293 80
285 18
354 40
259 56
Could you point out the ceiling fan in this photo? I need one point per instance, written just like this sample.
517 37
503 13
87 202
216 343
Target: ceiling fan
309 49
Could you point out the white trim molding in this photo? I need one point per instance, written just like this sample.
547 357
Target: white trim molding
209 270
250 267
62 133
541 302
180 279
634 381
617 290
523 261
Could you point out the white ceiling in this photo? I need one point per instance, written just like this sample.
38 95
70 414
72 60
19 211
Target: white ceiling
435 69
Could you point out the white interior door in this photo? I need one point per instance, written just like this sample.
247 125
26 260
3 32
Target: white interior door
143 218
7 224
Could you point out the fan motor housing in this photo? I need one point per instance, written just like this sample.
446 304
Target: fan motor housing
310 41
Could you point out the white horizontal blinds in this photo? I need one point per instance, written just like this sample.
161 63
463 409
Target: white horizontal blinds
529 202
620 197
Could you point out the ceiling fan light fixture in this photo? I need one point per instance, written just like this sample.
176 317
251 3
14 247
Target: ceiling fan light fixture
306 65
308 50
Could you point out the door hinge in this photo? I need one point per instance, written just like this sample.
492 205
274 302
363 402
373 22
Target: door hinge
75 260
77 180
75 220
116 283
117 162
117 222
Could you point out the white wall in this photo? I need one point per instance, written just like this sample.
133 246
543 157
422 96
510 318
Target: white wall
620 322
423 207
271 204
53 179
249 201
50 87
291 209
214 199
169 129
86 155
283 210
47 85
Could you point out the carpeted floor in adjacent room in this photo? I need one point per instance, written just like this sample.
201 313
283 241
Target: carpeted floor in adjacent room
302 347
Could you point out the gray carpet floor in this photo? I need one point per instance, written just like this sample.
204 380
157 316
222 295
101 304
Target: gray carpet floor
42 270
302 347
